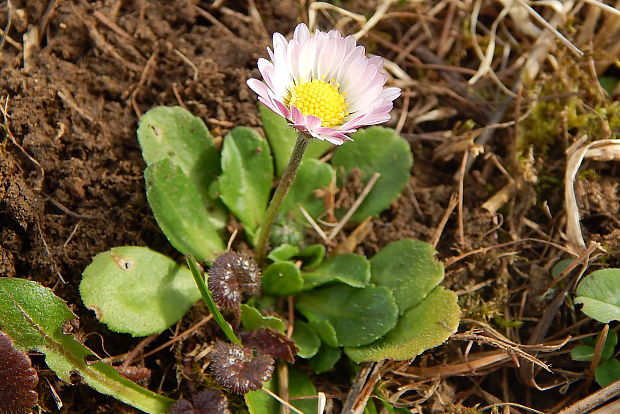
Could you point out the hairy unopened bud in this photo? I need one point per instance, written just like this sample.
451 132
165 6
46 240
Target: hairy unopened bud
238 370
232 275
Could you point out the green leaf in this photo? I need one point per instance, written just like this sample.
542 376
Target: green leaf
282 139
370 408
560 266
586 352
350 269
299 385
326 332
283 252
607 372
600 294
34 317
381 150
312 256
306 339
282 278
422 327
358 316
180 211
174 133
390 409
610 345
409 269
582 353
247 176
251 319
325 359
609 83
311 176
136 290
259 402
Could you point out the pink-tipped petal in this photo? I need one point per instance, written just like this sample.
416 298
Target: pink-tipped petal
329 57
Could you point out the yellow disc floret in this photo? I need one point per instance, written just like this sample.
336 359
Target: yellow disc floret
321 99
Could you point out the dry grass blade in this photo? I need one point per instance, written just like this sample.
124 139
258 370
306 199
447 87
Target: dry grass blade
594 400
602 150
512 350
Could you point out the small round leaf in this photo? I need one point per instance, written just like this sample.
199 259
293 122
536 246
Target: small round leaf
600 294
282 278
136 290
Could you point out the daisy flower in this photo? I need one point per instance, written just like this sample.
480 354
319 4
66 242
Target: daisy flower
324 84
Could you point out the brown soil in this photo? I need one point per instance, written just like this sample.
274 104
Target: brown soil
71 182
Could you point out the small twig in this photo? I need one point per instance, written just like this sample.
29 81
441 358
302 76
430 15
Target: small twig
282 368
68 212
404 112
177 338
349 244
369 186
549 27
596 359
231 239
603 6
9 19
442 223
47 250
189 62
280 400
357 386
143 77
112 25
213 20
77 225
129 356
65 96
376 17
321 5
313 223
461 229
452 260
177 95
41 172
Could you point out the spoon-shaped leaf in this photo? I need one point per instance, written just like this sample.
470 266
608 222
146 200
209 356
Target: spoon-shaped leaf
34 317
247 176
180 211
409 269
175 134
422 327
350 269
136 290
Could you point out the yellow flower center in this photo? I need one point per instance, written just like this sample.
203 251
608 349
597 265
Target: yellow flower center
321 99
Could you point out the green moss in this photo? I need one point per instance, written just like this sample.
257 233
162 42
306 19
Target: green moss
589 175
507 323
567 102
460 409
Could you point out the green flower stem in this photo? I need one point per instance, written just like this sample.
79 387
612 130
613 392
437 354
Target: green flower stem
206 296
283 186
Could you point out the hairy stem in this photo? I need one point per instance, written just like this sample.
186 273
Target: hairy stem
283 186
